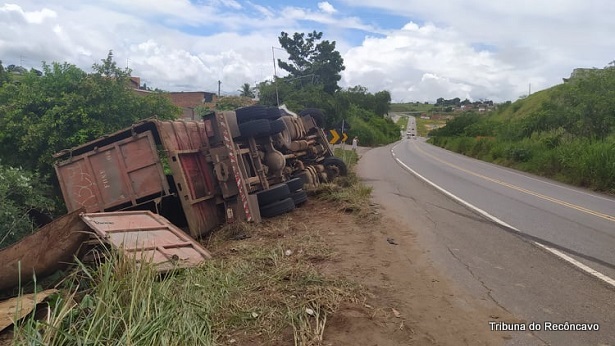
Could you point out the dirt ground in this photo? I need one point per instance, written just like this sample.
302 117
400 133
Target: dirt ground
409 303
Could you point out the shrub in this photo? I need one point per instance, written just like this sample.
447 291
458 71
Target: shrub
20 192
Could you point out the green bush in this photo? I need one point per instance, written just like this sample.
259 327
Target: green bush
588 163
371 129
20 191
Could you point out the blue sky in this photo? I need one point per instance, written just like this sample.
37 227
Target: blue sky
418 50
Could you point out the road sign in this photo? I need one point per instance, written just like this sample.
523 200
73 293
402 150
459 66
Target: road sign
335 137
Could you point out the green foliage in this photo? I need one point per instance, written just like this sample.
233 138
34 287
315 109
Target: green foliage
314 71
246 90
402 122
20 191
250 291
372 130
318 61
350 157
228 103
5 76
458 126
378 103
566 132
411 107
66 107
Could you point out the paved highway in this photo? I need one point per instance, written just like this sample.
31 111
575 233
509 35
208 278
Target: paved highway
539 249
573 221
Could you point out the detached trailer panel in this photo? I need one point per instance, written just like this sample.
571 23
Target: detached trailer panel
147 237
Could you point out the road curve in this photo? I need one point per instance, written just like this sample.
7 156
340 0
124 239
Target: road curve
576 222
504 264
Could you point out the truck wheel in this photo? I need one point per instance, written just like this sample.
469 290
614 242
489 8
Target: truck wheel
273 113
278 208
277 126
255 128
295 184
273 194
303 175
334 167
299 197
249 113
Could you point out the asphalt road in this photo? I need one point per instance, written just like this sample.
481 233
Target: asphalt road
541 250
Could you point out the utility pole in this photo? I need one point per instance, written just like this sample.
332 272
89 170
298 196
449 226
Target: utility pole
219 82
275 76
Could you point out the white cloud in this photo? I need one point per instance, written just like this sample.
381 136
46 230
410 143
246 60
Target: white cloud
475 48
420 62
326 7
32 17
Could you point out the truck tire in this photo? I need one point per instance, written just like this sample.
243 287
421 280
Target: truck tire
295 184
273 113
278 208
250 113
255 128
303 175
299 197
277 126
334 167
273 194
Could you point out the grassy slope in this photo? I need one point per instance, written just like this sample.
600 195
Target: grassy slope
411 107
565 157
524 107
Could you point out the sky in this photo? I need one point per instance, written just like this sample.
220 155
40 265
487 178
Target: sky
418 50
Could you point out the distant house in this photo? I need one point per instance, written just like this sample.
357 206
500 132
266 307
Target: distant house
186 100
135 82
189 100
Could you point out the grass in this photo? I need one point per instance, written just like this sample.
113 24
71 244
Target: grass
349 157
579 162
402 123
411 107
264 289
247 292
423 126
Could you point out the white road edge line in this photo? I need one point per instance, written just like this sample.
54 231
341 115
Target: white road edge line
557 253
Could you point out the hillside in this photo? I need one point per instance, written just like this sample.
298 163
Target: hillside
566 132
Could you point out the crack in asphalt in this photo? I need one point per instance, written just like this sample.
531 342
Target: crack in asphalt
489 290
471 217
399 194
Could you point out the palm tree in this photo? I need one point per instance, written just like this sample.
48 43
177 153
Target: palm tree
246 90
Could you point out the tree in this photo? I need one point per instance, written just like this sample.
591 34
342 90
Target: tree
319 62
66 107
378 103
20 193
246 90
4 75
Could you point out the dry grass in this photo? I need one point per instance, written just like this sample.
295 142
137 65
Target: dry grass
262 287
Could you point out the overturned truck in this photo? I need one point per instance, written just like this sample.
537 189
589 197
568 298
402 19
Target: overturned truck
237 165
